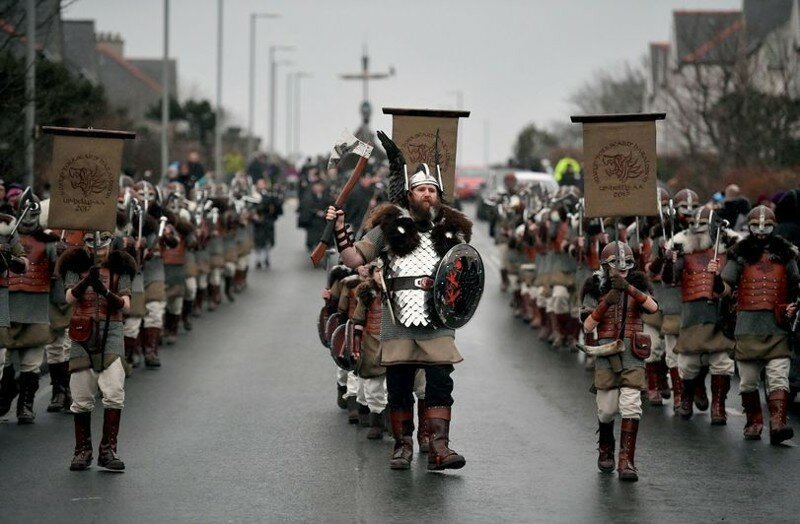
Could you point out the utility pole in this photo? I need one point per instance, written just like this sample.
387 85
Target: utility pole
165 95
30 88
252 77
218 164
289 93
272 86
365 76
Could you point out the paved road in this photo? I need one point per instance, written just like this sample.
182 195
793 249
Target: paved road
240 426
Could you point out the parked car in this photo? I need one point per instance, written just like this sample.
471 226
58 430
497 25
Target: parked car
490 193
469 181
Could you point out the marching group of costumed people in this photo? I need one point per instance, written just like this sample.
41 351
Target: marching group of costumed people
94 305
391 349
660 304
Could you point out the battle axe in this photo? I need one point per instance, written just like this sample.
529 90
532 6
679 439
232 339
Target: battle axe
347 144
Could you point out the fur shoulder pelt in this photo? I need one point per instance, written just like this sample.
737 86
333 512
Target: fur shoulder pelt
121 263
598 284
688 242
45 236
337 273
367 292
351 281
75 259
749 250
451 227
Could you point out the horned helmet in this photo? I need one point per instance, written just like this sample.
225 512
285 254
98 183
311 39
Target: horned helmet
701 220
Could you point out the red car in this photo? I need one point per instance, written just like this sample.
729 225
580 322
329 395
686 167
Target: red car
469 181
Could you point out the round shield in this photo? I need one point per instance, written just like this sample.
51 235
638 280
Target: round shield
322 320
458 285
338 347
330 326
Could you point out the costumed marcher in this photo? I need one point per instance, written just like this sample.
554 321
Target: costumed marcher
762 270
614 300
98 282
412 234
702 340
29 305
177 240
267 213
508 216
12 260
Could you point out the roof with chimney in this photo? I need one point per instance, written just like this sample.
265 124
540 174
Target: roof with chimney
707 37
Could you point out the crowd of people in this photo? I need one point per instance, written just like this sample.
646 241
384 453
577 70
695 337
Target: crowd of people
665 306
90 307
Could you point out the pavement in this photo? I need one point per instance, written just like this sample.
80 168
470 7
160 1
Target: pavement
240 425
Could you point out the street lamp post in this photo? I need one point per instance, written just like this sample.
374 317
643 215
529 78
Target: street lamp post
219 175
165 95
30 88
251 99
298 76
273 70
289 91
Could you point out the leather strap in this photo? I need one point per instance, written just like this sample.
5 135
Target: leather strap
439 412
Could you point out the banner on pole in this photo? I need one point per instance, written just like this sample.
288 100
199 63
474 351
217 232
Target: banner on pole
84 178
414 131
619 154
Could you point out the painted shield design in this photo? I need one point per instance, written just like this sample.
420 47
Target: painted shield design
458 285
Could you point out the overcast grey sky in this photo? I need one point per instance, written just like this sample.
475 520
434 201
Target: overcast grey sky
516 61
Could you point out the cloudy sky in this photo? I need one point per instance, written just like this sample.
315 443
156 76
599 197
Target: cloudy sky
515 61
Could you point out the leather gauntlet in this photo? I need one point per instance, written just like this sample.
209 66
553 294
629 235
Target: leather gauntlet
344 238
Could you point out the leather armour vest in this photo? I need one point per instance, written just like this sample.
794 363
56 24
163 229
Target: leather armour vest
762 285
86 307
696 282
175 256
37 278
611 322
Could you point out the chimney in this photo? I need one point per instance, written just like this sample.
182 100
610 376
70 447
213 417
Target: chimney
111 41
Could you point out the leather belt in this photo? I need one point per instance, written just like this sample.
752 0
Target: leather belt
404 283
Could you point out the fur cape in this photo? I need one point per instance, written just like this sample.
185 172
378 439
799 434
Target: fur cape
597 285
401 232
367 292
337 273
79 260
150 225
749 250
184 227
688 242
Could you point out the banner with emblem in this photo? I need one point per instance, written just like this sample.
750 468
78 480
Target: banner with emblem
619 164
84 177
415 130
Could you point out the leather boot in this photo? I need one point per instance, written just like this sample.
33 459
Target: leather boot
720 385
151 359
65 376
536 316
423 435
700 392
82 459
352 410
199 299
57 398
186 314
504 281
28 386
677 386
244 278
377 425
170 332
544 332
402 424
663 371
606 443
131 352
107 453
214 297
363 416
653 385
561 329
779 430
229 289
627 450
686 409
440 456
751 402
340 401
8 389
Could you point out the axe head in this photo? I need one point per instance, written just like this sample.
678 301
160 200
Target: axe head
346 145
